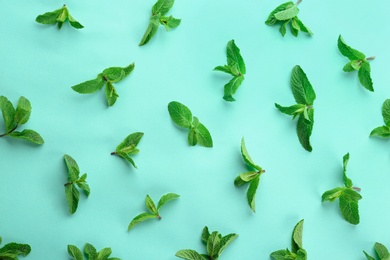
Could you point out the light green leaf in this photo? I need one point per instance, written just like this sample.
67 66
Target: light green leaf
293 110
74 23
85 187
301 254
245 155
271 18
203 136
130 142
382 251
225 241
151 30
115 74
8 111
213 245
14 249
189 254
129 68
140 218
364 74
150 205
162 6
356 64
238 181
49 17
287 14
348 67
169 22
382 131
349 52
350 210
301 26
180 114
368 256
231 87
332 195
296 242
251 193
104 253
90 86
283 28
165 198
75 253
304 130
90 250
72 196
73 168
294 31
347 181
248 176
386 112
205 235
111 94
350 194
225 69
127 158
29 135
302 89
63 16
23 111
192 137
234 57
280 255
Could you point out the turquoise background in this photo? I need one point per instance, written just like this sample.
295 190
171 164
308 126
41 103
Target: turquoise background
41 63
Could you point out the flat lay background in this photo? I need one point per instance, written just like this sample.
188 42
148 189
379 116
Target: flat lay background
41 63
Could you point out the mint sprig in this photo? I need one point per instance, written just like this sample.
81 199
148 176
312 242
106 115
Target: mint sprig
129 147
252 176
347 195
383 131
236 67
304 95
297 252
182 116
58 16
11 251
91 253
358 61
381 252
153 210
159 10
285 14
13 118
107 77
71 192
215 244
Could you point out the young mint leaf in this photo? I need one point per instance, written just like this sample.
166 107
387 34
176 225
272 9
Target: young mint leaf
332 195
225 68
90 251
238 181
349 209
205 235
347 181
166 198
74 23
246 157
151 30
231 87
296 241
386 112
140 218
72 196
271 18
301 254
129 146
294 31
248 176
283 28
49 17
382 131
348 67
234 57
192 137
58 16
104 253
111 94
85 187
203 136
150 205
162 6
225 241
13 250
280 255
180 114
114 74
127 158
189 254
213 245
302 89
364 75
349 52
23 111
29 135
73 168
287 13
75 253
293 110
169 22
368 256
301 26
382 251
90 86
8 112
251 193
304 130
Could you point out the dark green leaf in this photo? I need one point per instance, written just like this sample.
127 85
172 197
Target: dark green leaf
271 18
225 241
294 31
213 245
280 255
8 111
234 57
301 254
301 26
162 6
180 114
72 196
151 30
352 195
368 256
304 129
140 218
150 205
104 253
382 131
364 74
15 249
382 251
238 181
90 250
348 67
90 86
127 158
225 69
205 235
293 110
73 168
349 52
332 195
283 28
74 23
287 13
75 253
251 193
349 210
165 198
203 136
245 155
347 181
302 89
23 111
29 135
231 87
189 254
192 137
49 17
111 94
296 241
386 112
130 142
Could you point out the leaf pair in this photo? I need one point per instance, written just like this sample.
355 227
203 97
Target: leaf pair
129 147
383 131
381 251
215 244
236 67
348 196
58 16
297 252
71 192
13 118
159 10
304 95
287 13
11 251
182 116
107 77
252 176
153 210
91 253
358 61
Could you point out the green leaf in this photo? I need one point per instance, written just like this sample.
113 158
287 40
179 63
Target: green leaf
140 218
271 18
231 87
74 23
304 130
382 131
205 235
225 241
251 193
280 255
63 16
294 30
234 57
192 137
90 86
169 22
293 110
72 196
351 194
248 176
356 64
225 69
75 253
73 168
283 28
296 241
347 181
162 6
332 195
348 67
189 255
8 111
180 114
287 14
349 209
111 94
302 89
203 136
368 256
301 254
165 198
104 253
114 74
150 205
129 143
49 17
127 158
151 30
213 245
15 249
245 155
90 250
382 251
129 69
85 187
301 26
349 52
29 135
238 181
386 112
364 75
23 111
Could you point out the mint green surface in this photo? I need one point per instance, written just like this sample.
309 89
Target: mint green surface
41 63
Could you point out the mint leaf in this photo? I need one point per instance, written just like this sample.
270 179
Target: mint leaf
73 168
248 176
231 87
150 205
349 52
49 17
162 6
251 193
293 110
29 135
368 256
382 251
192 137
72 196
13 250
225 241
283 28
364 75
287 13
301 26
75 253
90 251
151 30
347 181
140 218
166 198
89 86
74 23
298 253
23 111
8 112
58 16
180 114
386 112
224 68
302 89
129 146
280 255
234 57
205 235
271 18
203 136
246 157
296 241
169 22
332 195
304 130
111 94
189 255
213 245
348 67
349 209
104 253
382 131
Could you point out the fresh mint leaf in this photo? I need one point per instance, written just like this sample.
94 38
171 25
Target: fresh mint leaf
151 30
189 254
8 112
287 13
154 212
213 245
381 251
247 159
301 26
192 137
234 57
111 94
347 195
251 193
29 135
162 6
58 16
296 241
281 255
383 131
75 253
304 129
225 241
90 86
180 114
349 52
364 75
169 22
205 235
23 111
12 250
368 256
129 146
386 112
293 110
203 136
301 88
272 19
348 67
231 87
91 253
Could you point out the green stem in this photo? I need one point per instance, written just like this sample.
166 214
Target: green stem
7 133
